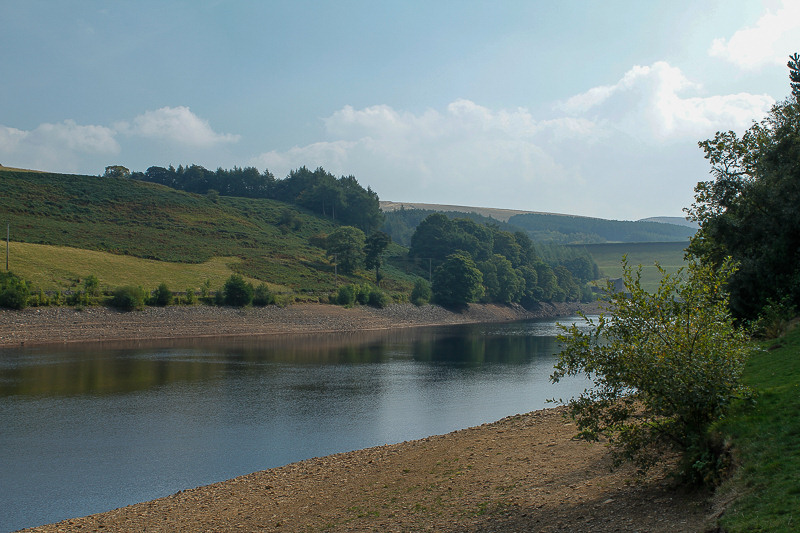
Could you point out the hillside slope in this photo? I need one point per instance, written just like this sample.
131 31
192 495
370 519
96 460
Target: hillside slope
128 217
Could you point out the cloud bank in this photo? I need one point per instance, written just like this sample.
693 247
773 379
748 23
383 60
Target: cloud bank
175 124
595 148
769 42
65 146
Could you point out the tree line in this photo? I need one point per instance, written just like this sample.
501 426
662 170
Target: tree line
481 262
342 199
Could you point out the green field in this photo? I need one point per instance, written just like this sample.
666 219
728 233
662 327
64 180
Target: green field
608 256
765 434
59 267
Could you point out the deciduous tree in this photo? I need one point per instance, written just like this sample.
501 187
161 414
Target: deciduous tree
665 366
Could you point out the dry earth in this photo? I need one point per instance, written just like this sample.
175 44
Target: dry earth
523 473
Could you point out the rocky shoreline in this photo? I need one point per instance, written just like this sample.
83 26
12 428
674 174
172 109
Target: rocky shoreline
66 324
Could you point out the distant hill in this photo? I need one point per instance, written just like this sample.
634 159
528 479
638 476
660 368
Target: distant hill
271 239
678 221
561 228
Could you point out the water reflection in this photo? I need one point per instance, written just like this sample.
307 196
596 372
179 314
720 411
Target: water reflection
87 428
124 367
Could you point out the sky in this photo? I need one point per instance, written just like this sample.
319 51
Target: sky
590 108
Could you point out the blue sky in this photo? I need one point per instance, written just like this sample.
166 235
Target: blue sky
581 107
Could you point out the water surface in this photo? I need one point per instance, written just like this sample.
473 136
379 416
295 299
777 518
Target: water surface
89 428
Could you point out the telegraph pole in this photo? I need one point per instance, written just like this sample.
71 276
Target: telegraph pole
8 236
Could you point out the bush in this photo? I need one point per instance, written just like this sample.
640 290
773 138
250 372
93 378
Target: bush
421 293
14 291
346 295
162 297
378 299
237 292
128 298
362 294
191 297
91 285
262 296
665 367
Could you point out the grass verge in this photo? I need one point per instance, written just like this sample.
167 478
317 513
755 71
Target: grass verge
766 439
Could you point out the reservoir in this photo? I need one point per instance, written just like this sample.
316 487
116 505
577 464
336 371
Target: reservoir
86 428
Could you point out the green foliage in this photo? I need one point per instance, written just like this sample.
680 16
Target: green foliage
750 210
774 318
421 293
128 298
91 285
14 291
374 248
191 297
457 282
665 366
116 171
262 296
378 298
237 292
162 296
765 434
345 245
342 199
509 263
346 295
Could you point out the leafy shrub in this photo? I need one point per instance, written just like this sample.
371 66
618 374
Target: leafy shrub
774 318
421 293
162 297
128 298
91 285
378 299
237 292
14 291
346 295
262 296
362 294
191 297
665 367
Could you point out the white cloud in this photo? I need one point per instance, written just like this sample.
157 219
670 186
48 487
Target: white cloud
769 42
56 147
629 147
177 124
649 102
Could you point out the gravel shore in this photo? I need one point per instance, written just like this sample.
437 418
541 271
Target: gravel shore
66 324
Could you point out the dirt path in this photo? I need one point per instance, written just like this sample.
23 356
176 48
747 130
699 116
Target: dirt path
523 473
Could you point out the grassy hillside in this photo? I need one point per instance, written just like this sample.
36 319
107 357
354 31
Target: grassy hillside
269 239
766 439
60 267
608 257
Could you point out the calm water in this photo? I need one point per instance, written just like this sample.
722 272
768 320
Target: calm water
85 429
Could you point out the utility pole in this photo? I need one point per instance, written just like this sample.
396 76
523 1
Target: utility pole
8 237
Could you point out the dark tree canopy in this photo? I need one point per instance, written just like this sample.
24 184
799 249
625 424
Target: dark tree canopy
457 282
341 199
750 211
510 267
